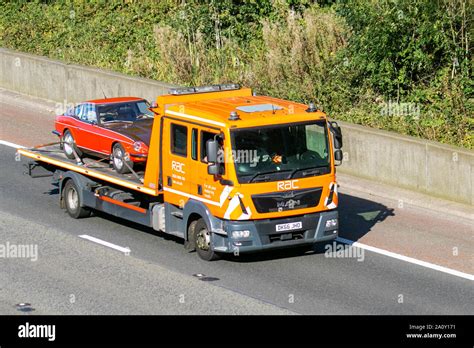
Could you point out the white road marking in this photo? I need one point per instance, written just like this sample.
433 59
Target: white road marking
107 244
406 258
7 143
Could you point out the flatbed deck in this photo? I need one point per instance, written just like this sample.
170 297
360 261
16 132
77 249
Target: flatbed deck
99 169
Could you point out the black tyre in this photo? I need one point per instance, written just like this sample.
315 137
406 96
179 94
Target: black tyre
119 161
202 240
72 201
69 145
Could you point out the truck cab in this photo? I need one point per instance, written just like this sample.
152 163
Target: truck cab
256 172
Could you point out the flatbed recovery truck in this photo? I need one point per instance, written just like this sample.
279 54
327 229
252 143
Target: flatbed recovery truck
227 170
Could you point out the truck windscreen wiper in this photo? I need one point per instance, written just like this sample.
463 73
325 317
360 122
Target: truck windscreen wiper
265 175
309 171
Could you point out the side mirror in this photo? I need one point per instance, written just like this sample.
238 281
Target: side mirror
338 156
213 169
337 133
211 150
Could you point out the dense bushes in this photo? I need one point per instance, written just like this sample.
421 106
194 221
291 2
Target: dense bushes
353 57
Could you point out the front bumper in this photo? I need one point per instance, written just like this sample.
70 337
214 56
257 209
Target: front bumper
264 234
138 157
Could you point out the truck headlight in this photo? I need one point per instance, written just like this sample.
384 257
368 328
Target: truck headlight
331 223
241 234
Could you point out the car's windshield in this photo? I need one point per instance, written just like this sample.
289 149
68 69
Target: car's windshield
124 112
280 152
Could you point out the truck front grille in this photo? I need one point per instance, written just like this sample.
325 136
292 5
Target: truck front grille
288 200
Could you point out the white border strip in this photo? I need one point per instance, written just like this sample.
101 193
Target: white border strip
195 118
406 258
191 196
7 143
107 244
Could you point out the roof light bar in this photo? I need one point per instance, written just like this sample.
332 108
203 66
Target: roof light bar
229 86
204 89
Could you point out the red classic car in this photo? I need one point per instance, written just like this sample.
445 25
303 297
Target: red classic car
115 128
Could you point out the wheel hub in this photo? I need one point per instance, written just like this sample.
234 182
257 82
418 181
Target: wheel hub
118 155
203 240
68 143
73 199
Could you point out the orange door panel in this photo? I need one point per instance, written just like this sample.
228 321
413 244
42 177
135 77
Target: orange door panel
176 163
225 201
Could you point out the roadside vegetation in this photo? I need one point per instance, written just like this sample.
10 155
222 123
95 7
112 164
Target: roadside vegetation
405 66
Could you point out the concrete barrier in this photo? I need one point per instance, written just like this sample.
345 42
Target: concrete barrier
416 164
68 83
426 166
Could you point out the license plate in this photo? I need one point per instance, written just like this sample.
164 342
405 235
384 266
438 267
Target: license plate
288 227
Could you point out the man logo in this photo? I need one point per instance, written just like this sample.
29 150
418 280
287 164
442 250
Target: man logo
289 194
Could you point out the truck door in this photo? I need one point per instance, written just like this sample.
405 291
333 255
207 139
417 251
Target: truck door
209 188
176 163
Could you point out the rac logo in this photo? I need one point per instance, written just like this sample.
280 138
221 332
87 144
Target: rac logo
287 185
178 167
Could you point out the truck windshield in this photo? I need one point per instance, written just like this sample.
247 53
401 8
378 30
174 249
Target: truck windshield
280 152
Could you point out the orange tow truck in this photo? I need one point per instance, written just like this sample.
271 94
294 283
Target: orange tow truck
227 170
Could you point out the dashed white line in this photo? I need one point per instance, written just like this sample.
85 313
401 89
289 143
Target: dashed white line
105 243
7 143
407 259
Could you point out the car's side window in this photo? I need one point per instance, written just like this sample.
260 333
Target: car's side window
78 111
179 140
87 113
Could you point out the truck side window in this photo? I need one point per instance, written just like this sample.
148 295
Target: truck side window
316 140
205 136
194 144
179 140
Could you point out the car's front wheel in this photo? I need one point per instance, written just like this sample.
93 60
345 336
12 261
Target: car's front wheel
69 145
120 161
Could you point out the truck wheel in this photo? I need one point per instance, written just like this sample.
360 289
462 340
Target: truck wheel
72 201
202 240
118 159
69 145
